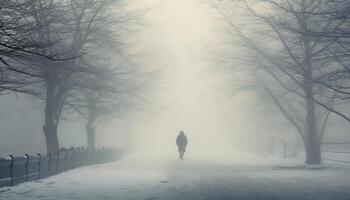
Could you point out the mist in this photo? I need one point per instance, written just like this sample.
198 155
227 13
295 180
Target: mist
189 94
185 99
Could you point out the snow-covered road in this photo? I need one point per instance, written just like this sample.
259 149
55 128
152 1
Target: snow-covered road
149 178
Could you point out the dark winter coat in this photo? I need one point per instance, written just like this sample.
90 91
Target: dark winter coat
181 142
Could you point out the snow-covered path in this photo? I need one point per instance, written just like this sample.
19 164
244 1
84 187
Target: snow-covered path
147 178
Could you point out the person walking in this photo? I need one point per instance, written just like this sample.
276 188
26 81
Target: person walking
181 142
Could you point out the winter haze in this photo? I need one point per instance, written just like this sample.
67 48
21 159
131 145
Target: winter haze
174 99
190 93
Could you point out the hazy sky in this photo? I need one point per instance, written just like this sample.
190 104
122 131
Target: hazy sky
189 95
182 39
185 37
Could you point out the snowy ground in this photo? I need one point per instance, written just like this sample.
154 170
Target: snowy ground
151 178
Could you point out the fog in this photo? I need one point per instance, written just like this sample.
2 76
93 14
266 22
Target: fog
189 94
174 99
187 98
192 90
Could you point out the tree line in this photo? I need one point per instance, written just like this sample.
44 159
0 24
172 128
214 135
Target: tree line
69 54
297 53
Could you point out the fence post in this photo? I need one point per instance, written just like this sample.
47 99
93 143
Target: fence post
57 162
84 157
27 167
77 157
39 166
49 155
65 160
72 158
11 169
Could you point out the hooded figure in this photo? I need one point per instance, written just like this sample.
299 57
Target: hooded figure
181 142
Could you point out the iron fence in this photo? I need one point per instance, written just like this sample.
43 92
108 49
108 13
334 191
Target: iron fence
19 169
336 149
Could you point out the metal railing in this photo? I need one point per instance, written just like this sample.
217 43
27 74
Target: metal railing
19 169
336 151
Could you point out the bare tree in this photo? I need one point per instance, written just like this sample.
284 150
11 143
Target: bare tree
50 49
289 59
18 45
106 92
75 28
336 38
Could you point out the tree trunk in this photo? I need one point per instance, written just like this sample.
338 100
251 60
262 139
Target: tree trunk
90 126
312 144
312 140
91 138
51 118
50 131
313 152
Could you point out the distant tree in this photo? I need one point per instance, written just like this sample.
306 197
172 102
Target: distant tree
53 49
278 46
105 92
75 28
110 83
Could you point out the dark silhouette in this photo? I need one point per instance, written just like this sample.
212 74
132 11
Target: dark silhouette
181 142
